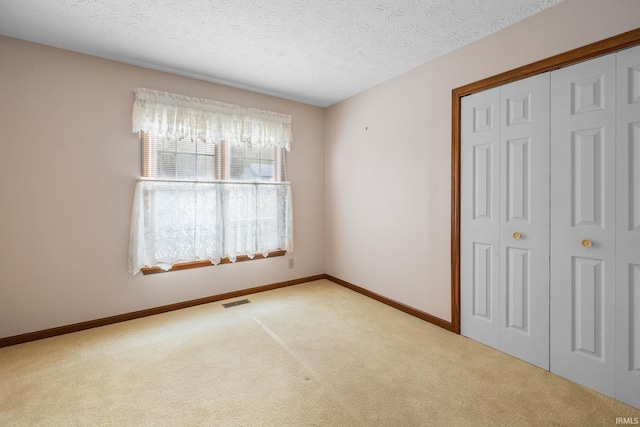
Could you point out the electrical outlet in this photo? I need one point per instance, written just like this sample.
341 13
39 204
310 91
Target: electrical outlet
290 262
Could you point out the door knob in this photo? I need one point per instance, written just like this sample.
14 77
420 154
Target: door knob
517 235
587 243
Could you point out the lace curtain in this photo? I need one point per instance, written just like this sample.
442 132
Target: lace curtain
187 220
178 116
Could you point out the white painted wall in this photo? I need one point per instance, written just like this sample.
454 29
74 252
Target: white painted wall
68 164
388 154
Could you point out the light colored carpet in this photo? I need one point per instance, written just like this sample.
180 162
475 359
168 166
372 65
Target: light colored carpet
311 354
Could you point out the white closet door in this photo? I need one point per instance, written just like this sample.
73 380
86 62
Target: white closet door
524 220
628 228
583 223
505 193
479 217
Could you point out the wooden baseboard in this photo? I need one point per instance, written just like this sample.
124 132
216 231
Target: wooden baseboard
397 305
76 327
47 333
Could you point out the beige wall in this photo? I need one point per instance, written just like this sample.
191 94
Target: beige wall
388 154
68 164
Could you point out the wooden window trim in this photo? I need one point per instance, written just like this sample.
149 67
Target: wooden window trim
148 160
222 160
197 264
603 47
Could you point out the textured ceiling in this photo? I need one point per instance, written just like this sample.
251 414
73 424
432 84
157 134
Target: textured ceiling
314 51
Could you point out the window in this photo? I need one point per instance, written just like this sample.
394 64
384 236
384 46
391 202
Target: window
254 163
213 182
183 158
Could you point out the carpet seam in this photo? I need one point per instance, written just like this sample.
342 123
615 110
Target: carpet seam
308 368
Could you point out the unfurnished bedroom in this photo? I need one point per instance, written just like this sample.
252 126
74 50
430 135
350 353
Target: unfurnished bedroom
337 213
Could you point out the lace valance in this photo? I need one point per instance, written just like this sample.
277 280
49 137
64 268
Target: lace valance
179 116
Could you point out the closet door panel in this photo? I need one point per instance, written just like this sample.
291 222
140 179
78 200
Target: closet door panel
479 217
628 228
524 220
583 280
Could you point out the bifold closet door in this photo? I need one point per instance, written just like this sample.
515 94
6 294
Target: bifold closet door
524 219
583 279
628 228
504 245
480 217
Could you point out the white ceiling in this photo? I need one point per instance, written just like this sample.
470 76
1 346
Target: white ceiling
314 51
